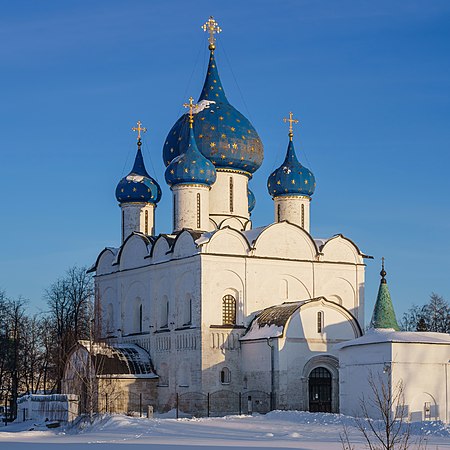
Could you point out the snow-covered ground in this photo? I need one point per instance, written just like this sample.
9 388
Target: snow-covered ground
276 430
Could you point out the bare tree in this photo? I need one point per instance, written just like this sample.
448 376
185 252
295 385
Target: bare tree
69 300
434 316
391 429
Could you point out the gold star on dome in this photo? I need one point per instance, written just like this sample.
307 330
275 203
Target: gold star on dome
235 145
202 171
172 171
186 170
212 144
306 181
223 156
221 118
134 189
293 181
213 128
233 129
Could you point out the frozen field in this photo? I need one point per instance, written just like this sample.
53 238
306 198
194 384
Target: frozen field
276 430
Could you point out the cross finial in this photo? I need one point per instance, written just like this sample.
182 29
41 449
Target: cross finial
291 121
191 107
212 27
383 272
139 129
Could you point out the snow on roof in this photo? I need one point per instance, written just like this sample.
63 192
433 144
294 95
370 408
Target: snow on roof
119 359
385 335
320 242
270 322
253 234
204 238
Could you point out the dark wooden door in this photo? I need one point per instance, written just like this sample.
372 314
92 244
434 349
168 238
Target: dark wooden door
320 390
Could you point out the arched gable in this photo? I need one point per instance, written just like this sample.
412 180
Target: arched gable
227 241
337 325
184 245
105 262
341 249
285 240
160 249
134 251
233 222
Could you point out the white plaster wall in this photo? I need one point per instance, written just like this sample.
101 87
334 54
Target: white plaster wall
290 209
134 218
186 207
220 207
422 368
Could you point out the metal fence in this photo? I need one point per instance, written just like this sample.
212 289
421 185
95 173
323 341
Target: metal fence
221 403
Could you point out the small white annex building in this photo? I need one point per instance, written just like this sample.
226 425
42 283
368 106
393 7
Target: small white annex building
415 362
220 307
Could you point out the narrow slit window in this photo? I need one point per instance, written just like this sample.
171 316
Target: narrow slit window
174 211
228 310
303 216
198 211
140 318
231 195
320 322
225 376
146 222
123 225
278 212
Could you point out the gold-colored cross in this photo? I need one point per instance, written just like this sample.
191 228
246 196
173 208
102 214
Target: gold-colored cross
139 129
191 107
212 27
291 121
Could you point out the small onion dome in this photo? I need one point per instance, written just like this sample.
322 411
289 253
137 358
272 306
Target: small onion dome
251 200
191 167
138 186
291 178
222 133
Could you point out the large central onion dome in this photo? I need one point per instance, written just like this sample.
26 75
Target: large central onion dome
222 133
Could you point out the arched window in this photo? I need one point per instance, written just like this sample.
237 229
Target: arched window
198 212
164 312
146 221
284 294
187 311
228 310
225 376
320 322
231 195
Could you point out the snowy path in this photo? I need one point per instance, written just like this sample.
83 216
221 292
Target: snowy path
276 430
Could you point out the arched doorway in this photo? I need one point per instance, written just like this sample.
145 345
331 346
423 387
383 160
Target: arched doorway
319 386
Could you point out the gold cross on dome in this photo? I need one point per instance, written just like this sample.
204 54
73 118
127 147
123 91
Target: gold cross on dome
212 27
191 107
139 129
291 121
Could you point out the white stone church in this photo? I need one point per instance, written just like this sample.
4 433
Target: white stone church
216 305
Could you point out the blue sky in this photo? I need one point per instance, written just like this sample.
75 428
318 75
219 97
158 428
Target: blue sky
369 81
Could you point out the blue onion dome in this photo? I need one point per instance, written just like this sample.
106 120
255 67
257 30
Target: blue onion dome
191 167
251 200
223 134
138 186
291 178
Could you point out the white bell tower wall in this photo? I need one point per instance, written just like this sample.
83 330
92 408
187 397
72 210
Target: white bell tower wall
191 207
138 217
228 196
294 209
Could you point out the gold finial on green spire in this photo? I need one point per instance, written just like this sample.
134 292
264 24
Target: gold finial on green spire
291 121
212 27
191 107
139 129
